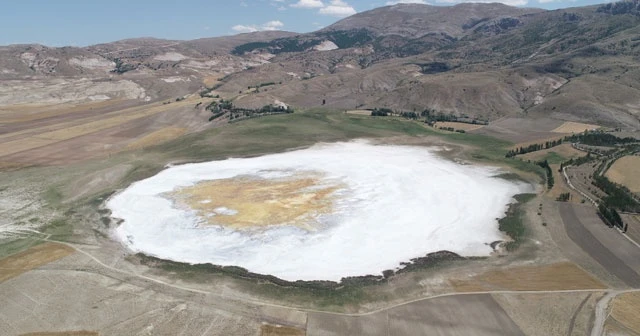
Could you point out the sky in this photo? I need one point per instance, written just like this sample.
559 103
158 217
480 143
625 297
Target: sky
87 22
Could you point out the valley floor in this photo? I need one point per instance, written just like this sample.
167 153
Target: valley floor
571 275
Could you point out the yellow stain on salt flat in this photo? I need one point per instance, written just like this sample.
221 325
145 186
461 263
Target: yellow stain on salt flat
250 202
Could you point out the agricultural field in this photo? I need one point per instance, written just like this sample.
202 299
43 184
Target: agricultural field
626 171
194 297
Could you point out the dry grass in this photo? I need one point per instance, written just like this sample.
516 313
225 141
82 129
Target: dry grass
157 137
560 276
459 126
63 333
22 262
626 171
574 127
626 310
560 187
275 330
360 112
252 202
30 112
50 134
564 151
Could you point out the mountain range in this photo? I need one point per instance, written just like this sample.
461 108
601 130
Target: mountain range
485 61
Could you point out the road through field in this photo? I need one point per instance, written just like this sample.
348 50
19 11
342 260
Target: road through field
618 256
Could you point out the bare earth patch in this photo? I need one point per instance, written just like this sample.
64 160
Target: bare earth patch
157 137
560 276
574 127
459 126
626 171
565 151
276 330
22 262
247 202
626 310
360 112
63 333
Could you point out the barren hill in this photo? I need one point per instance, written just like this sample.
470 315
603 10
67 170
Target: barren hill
480 60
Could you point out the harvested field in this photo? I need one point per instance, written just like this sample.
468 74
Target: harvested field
360 112
546 314
459 126
276 330
157 137
61 135
560 276
626 171
474 314
574 127
63 333
521 130
616 254
626 308
39 255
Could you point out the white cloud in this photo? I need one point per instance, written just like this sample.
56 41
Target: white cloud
338 8
389 3
244 29
308 4
271 25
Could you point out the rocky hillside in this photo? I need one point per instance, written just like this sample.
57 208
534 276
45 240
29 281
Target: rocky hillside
482 60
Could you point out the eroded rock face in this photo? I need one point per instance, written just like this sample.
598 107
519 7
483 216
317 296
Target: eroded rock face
57 91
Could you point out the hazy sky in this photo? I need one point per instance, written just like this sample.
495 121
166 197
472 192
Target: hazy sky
86 22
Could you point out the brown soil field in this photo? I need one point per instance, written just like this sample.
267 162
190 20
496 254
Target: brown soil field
459 125
63 333
69 134
559 276
626 310
157 137
39 255
574 127
275 330
626 171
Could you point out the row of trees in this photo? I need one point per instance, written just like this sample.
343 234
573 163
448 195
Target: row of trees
550 181
533 148
577 162
599 138
618 196
610 216
223 107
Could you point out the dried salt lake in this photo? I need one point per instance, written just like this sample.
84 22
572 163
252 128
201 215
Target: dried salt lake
322 213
